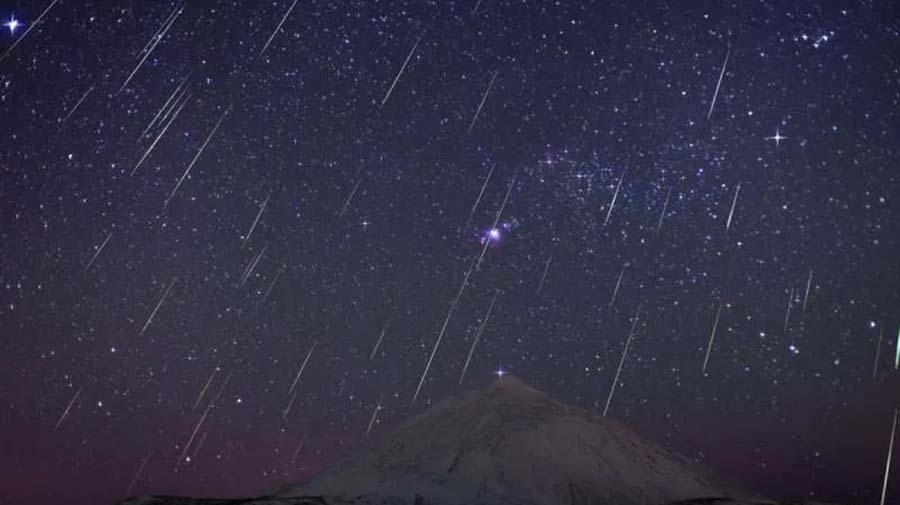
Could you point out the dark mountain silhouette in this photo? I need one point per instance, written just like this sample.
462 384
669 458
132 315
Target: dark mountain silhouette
504 444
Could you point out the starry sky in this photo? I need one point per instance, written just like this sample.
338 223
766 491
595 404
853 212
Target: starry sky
199 197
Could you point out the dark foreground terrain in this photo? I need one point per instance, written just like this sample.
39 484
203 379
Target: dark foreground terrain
502 445
318 500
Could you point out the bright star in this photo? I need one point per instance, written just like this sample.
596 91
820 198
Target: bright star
777 138
12 24
491 236
500 372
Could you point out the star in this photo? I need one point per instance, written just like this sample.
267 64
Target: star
777 138
12 24
500 372
491 236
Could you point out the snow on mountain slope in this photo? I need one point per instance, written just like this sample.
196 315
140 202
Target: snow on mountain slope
509 443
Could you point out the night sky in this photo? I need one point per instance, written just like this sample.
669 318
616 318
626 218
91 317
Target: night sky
348 173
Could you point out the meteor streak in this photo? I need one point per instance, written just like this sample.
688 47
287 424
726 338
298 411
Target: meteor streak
193 434
252 266
78 103
408 57
618 282
206 386
172 107
158 30
202 148
374 416
483 99
787 314
303 366
484 321
272 285
349 198
496 222
292 391
138 474
30 27
160 134
662 214
68 407
158 37
887 466
459 294
712 335
199 445
733 204
380 338
262 208
544 275
99 250
158 305
277 28
615 195
480 194
718 85
621 361
166 105
808 284
221 388
297 450
443 330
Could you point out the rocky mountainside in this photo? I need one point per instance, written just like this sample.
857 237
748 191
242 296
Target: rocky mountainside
504 444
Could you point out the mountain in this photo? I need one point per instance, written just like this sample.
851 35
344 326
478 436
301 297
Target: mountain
509 443
502 445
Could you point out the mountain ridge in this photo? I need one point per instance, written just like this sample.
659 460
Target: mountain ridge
482 445
503 444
